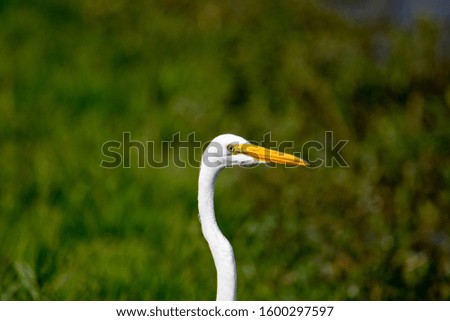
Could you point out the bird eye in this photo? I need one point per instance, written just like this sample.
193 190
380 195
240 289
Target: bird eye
230 148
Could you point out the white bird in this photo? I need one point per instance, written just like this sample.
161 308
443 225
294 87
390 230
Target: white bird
225 151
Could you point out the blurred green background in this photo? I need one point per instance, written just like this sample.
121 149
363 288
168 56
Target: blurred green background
75 74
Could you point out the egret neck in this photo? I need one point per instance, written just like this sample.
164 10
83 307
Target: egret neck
221 248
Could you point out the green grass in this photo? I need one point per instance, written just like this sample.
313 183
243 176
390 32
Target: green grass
74 75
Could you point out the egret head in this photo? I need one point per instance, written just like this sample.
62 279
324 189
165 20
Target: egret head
230 150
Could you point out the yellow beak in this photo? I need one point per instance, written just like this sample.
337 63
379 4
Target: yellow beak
269 155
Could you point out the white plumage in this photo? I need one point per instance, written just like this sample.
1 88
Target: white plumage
225 151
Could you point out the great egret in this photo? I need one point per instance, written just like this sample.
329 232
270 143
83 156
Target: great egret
225 151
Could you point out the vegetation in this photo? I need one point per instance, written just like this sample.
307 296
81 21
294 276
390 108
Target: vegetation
78 73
